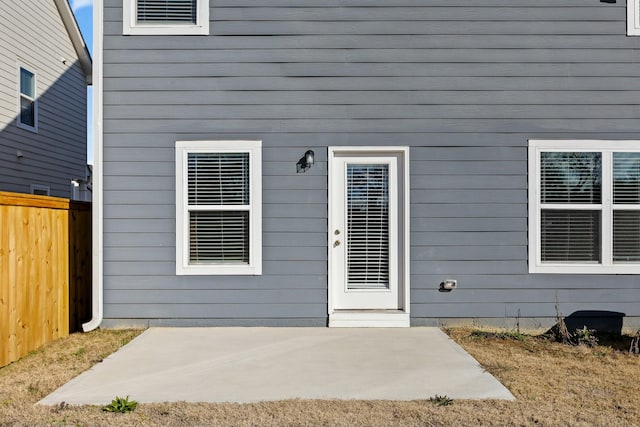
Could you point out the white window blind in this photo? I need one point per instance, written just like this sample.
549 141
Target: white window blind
626 178
218 197
218 178
367 226
570 179
626 199
221 237
167 11
570 236
626 236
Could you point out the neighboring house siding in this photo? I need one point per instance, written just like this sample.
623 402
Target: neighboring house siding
33 35
464 84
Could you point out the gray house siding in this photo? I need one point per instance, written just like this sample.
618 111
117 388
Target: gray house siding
34 36
464 84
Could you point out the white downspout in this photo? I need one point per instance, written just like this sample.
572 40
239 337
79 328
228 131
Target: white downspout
97 207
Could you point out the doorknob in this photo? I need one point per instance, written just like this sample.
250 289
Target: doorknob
336 243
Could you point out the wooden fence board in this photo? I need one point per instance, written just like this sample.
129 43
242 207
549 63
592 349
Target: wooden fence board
45 271
4 287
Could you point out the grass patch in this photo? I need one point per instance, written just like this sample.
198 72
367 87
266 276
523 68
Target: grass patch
555 385
506 335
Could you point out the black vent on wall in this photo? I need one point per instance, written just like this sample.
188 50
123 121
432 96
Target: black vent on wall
167 11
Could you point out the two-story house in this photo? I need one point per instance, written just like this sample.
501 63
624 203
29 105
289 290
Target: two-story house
366 162
45 68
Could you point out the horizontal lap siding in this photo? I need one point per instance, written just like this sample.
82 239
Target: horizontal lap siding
34 36
464 84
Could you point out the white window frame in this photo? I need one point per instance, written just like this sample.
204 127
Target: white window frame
607 148
254 149
130 26
633 17
20 124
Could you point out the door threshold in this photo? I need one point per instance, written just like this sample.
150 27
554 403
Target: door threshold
369 319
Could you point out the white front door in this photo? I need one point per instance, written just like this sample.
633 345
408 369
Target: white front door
367 231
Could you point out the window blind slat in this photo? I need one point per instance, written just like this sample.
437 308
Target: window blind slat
570 177
367 226
626 236
626 178
218 179
219 237
570 236
167 11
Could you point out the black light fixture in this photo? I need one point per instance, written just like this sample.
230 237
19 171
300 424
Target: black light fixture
306 161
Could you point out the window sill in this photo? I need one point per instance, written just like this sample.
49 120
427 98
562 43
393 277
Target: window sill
218 270
585 269
167 30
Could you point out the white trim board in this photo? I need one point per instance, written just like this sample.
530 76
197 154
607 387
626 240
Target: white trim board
375 318
633 17
366 319
254 150
76 37
131 27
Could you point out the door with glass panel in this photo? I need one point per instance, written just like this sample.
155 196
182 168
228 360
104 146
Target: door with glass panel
364 231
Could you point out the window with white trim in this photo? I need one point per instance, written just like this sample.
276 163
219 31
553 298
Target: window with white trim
218 207
633 17
160 17
28 103
584 207
40 190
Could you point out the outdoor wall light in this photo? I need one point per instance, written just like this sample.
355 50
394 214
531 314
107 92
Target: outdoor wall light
306 161
448 285
309 157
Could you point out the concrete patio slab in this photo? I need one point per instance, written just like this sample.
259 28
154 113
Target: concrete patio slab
258 364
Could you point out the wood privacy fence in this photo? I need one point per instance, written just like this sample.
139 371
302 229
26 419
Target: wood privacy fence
45 271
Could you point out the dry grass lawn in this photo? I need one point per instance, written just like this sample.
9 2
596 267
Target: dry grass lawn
555 385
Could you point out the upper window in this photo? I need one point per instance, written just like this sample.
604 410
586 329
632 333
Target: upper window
158 17
584 207
633 17
28 116
218 207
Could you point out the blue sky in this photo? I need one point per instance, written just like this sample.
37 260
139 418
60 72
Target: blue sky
83 9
